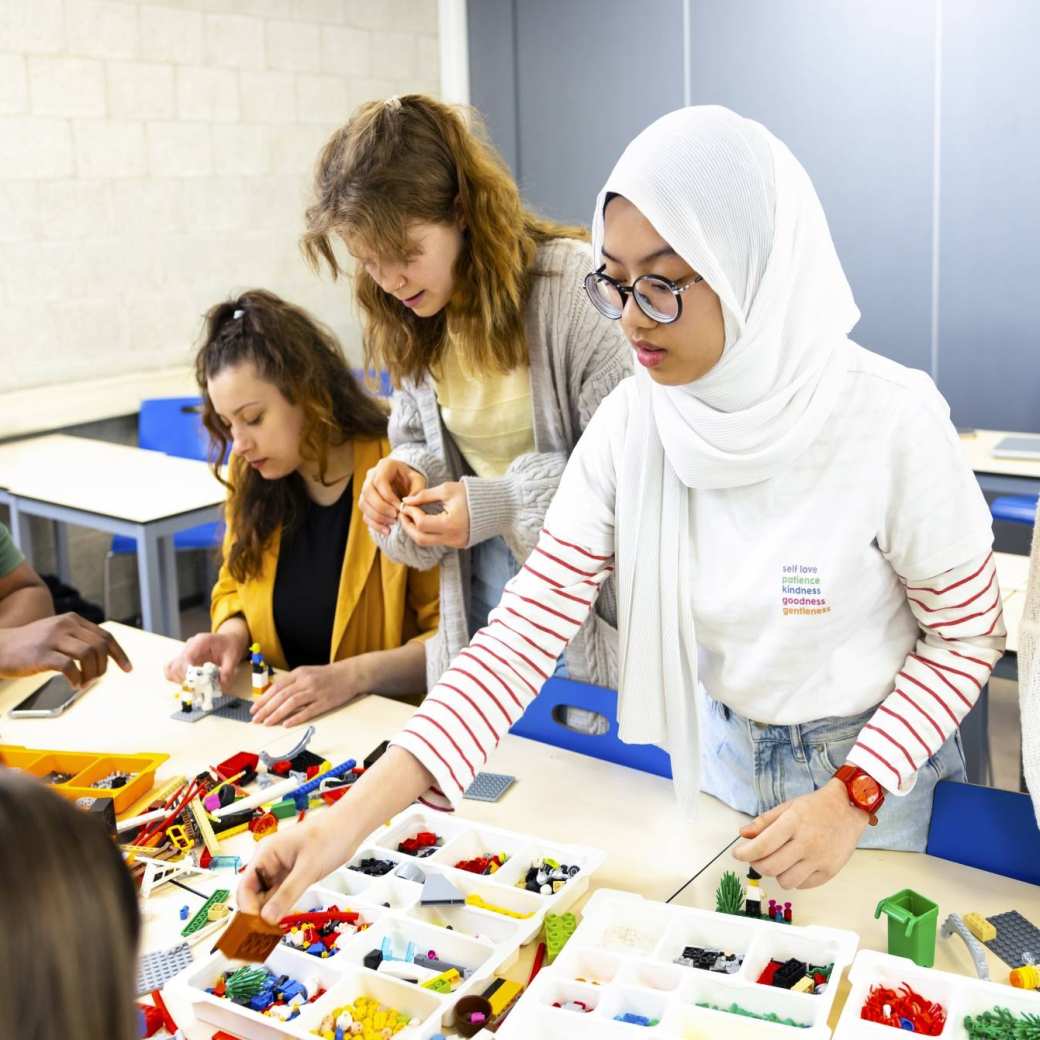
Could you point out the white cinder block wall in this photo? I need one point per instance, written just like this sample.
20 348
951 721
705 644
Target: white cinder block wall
155 156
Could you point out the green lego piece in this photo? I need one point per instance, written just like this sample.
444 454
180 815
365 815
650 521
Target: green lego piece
911 926
558 929
1001 1024
729 896
201 919
244 984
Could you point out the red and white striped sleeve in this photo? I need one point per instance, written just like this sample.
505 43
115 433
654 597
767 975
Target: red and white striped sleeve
962 638
490 682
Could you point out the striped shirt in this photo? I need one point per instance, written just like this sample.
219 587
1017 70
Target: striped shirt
859 580
491 682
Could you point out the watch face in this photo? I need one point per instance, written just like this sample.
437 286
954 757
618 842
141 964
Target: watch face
864 790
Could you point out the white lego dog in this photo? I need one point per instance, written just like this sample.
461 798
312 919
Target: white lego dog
203 681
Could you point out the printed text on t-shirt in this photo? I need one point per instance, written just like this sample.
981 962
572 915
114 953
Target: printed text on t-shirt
800 589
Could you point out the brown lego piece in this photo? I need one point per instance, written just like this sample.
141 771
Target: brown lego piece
249 938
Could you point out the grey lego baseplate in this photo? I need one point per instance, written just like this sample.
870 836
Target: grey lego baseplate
220 704
1016 937
156 968
489 787
237 709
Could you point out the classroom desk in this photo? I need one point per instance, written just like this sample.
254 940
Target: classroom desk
147 495
848 901
559 795
995 475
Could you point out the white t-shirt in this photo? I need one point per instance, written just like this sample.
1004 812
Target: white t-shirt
799 609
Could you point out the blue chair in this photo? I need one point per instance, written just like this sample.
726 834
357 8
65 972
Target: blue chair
986 828
172 425
375 381
1014 509
543 721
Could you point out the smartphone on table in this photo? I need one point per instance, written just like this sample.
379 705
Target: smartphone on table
55 696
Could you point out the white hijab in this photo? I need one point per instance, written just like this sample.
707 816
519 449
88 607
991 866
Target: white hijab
737 206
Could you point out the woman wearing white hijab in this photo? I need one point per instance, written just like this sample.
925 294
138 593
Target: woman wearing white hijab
790 518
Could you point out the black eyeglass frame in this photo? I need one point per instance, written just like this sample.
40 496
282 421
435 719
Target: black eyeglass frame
624 291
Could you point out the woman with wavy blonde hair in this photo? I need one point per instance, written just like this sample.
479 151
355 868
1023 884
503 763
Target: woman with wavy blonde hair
474 304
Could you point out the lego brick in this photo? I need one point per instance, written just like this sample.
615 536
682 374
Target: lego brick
155 968
236 709
1015 937
249 938
201 919
439 891
489 787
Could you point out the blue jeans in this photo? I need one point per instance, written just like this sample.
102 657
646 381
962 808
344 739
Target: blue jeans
753 766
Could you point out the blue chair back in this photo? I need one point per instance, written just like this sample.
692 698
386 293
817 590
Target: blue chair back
173 425
1014 509
986 828
542 722
375 381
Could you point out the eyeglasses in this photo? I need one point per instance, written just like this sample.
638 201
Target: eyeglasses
660 299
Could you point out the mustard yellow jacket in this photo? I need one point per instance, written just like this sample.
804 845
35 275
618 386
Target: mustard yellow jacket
381 604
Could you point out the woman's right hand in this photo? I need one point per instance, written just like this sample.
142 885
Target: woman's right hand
226 649
287 863
386 483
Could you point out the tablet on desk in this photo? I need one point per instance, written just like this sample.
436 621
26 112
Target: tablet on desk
1018 446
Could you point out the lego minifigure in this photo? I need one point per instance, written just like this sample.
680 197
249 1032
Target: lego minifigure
261 670
753 900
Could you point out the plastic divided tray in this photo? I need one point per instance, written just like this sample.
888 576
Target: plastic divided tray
620 960
482 941
85 768
959 995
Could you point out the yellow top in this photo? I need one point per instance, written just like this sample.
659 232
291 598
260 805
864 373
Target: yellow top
489 416
381 604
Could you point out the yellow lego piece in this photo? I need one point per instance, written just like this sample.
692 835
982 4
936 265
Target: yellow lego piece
980 927
483 904
179 838
803 985
503 996
445 982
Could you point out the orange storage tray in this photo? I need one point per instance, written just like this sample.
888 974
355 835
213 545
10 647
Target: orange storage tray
85 768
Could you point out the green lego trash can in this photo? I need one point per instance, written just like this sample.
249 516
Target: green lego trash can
912 921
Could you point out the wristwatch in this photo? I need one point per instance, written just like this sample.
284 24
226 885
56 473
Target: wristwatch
864 791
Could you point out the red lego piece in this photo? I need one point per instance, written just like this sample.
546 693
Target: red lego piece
242 762
766 978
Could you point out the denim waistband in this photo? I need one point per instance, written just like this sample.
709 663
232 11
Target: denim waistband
818 731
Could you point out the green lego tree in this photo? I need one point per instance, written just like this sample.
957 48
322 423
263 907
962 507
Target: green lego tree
729 896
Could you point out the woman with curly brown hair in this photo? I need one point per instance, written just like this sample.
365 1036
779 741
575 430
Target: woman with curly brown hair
475 306
300 576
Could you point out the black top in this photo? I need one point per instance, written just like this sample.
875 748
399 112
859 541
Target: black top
306 584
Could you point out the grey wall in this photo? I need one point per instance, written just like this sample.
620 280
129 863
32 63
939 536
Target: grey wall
900 112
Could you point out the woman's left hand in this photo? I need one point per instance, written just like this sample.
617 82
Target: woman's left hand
805 841
448 525
306 692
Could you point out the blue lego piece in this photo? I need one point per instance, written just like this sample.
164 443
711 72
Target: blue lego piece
184 912
301 796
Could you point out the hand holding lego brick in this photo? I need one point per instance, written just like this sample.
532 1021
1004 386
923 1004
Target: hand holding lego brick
804 842
386 483
426 525
309 691
225 648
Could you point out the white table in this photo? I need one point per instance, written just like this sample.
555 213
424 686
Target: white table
147 495
996 475
559 795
